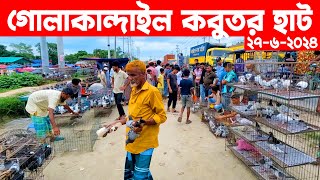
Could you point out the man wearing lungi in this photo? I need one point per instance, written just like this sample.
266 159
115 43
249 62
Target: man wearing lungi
41 105
145 103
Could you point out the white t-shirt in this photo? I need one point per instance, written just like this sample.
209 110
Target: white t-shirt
158 70
39 102
179 77
119 79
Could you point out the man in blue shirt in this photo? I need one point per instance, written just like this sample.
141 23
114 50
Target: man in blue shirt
186 91
220 72
227 90
167 71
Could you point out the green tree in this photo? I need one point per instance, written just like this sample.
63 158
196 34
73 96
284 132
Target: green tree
71 58
81 53
4 52
100 53
22 48
52 51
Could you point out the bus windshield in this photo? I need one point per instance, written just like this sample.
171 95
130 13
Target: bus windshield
220 53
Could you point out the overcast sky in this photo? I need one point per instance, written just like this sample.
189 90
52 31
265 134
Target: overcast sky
150 47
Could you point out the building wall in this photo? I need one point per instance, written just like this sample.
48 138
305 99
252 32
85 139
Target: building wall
167 57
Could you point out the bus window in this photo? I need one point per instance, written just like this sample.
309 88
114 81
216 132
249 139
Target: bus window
220 53
209 53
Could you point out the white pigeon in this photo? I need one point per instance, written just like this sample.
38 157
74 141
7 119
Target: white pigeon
248 76
61 109
258 79
275 148
278 85
242 79
273 82
302 85
76 108
284 118
286 83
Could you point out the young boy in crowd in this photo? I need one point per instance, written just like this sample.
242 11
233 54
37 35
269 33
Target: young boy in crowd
161 81
149 76
215 99
186 92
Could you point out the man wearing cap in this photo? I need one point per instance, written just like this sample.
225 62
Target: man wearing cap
103 78
41 105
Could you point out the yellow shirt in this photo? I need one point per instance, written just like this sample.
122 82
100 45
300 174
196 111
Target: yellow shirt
146 104
160 81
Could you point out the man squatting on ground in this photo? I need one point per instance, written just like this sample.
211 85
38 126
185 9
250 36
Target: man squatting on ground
146 103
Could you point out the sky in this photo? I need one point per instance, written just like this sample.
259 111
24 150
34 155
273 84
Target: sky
144 48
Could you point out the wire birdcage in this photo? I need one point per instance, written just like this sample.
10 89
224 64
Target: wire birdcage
284 140
22 156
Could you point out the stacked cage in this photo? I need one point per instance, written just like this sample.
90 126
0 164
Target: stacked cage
283 139
22 156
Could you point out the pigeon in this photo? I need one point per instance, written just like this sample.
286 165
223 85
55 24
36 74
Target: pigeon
273 82
284 118
302 85
286 83
258 130
275 148
242 79
248 76
272 139
278 173
277 85
286 110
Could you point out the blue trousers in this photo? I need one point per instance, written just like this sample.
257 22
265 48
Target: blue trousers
165 90
202 93
137 166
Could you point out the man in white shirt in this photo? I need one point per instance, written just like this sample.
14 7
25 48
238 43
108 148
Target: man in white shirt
103 78
158 68
118 85
41 105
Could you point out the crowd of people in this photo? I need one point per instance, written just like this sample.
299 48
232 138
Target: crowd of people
200 83
145 88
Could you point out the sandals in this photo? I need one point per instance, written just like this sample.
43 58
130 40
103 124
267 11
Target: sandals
188 122
175 111
179 119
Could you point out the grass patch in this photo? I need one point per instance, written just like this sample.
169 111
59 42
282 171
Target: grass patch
8 89
10 108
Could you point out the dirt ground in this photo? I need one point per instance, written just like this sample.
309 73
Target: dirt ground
188 152
24 89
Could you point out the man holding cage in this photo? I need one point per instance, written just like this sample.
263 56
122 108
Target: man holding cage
145 103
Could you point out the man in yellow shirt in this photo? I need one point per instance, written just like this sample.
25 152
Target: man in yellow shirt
161 81
145 103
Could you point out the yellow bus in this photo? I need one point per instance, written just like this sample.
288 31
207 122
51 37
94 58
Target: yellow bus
201 52
214 53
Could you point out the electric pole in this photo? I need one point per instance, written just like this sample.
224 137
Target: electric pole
123 46
60 50
109 53
129 48
177 48
115 47
44 54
